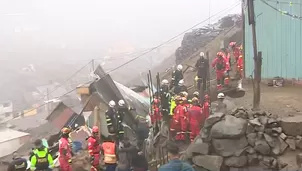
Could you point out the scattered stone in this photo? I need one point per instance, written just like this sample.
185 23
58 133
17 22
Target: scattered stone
249 129
199 168
262 147
212 119
209 162
272 120
281 164
205 135
299 159
291 143
274 163
255 122
283 136
263 120
259 128
260 157
231 127
260 135
278 130
280 147
229 147
252 159
251 138
267 161
236 161
241 114
250 150
200 148
270 140
292 125
268 131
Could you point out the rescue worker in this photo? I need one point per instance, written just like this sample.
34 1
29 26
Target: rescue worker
172 105
18 163
94 149
206 107
65 151
219 65
175 120
42 159
165 99
226 56
240 71
221 106
196 94
121 112
235 49
180 87
111 118
177 75
202 66
180 119
155 114
109 151
195 118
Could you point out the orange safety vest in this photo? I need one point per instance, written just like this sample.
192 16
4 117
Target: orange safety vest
109 152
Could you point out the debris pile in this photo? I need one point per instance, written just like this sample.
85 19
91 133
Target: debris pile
244 138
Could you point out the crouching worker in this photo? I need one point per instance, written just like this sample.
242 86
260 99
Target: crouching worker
41 159
109 151
18 163
174 160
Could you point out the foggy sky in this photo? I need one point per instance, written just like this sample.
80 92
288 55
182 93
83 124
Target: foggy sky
94 27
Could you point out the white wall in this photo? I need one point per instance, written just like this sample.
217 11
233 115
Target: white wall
8 147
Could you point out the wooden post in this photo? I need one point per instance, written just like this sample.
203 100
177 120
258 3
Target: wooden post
257 59
97 118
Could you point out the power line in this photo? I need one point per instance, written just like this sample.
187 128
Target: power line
282 11
148 51
284 2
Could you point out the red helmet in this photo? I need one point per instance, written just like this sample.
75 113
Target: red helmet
232 44
155 101
95 129
220 54
65 130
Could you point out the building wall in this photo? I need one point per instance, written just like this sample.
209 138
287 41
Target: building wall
8 147
278 37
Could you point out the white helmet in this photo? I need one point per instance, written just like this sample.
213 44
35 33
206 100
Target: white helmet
179 67
220 96
164 82
181 82
196 93
111 103
121 102
201 54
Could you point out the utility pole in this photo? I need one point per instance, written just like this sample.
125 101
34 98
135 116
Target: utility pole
97 117
257 57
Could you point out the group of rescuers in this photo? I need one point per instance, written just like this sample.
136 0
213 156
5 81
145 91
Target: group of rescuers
185 115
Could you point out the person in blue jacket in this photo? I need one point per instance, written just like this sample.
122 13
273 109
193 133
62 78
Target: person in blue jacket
175 163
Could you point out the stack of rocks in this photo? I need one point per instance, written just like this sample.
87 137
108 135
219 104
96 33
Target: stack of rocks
240 139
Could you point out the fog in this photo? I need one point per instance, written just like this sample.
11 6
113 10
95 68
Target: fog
59 36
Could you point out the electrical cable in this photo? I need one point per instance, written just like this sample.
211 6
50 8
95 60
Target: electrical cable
281 11
148 51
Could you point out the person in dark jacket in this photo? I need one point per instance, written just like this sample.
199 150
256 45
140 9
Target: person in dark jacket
175 163
165 98
202 67
180 87
111 118
18 163
139 162
126 153
177 75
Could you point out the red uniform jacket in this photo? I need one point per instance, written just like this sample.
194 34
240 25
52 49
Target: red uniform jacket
206 109
195 115
219 64
64 146
93 146
227 60
236 52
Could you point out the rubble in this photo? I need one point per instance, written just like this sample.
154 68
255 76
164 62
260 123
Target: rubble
292 125
243 139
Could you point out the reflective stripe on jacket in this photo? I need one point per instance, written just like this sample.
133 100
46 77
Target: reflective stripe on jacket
109 152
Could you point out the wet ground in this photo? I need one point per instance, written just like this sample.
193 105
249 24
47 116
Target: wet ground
282 101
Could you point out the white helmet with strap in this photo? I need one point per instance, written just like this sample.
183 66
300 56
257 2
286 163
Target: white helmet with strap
111 103
121 102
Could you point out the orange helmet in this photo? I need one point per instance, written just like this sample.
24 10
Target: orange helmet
95 129
232 44
65 130
220 54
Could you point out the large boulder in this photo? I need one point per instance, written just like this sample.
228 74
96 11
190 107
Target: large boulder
212 119
231 127
262 147
209 162
292 125
230 147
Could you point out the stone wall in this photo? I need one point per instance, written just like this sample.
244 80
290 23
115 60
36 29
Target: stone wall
243 139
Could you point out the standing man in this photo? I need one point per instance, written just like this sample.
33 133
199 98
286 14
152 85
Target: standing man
235 49
41 159
177 75
121 112
219 65
221 106
175 163
180 120
65 151
195 118
202 66
94 149
111 118
18 163
206 107
165 99
109 151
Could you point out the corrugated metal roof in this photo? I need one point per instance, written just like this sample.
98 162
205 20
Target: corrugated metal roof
9 134
279 38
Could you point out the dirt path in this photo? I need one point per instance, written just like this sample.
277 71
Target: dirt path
281 101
